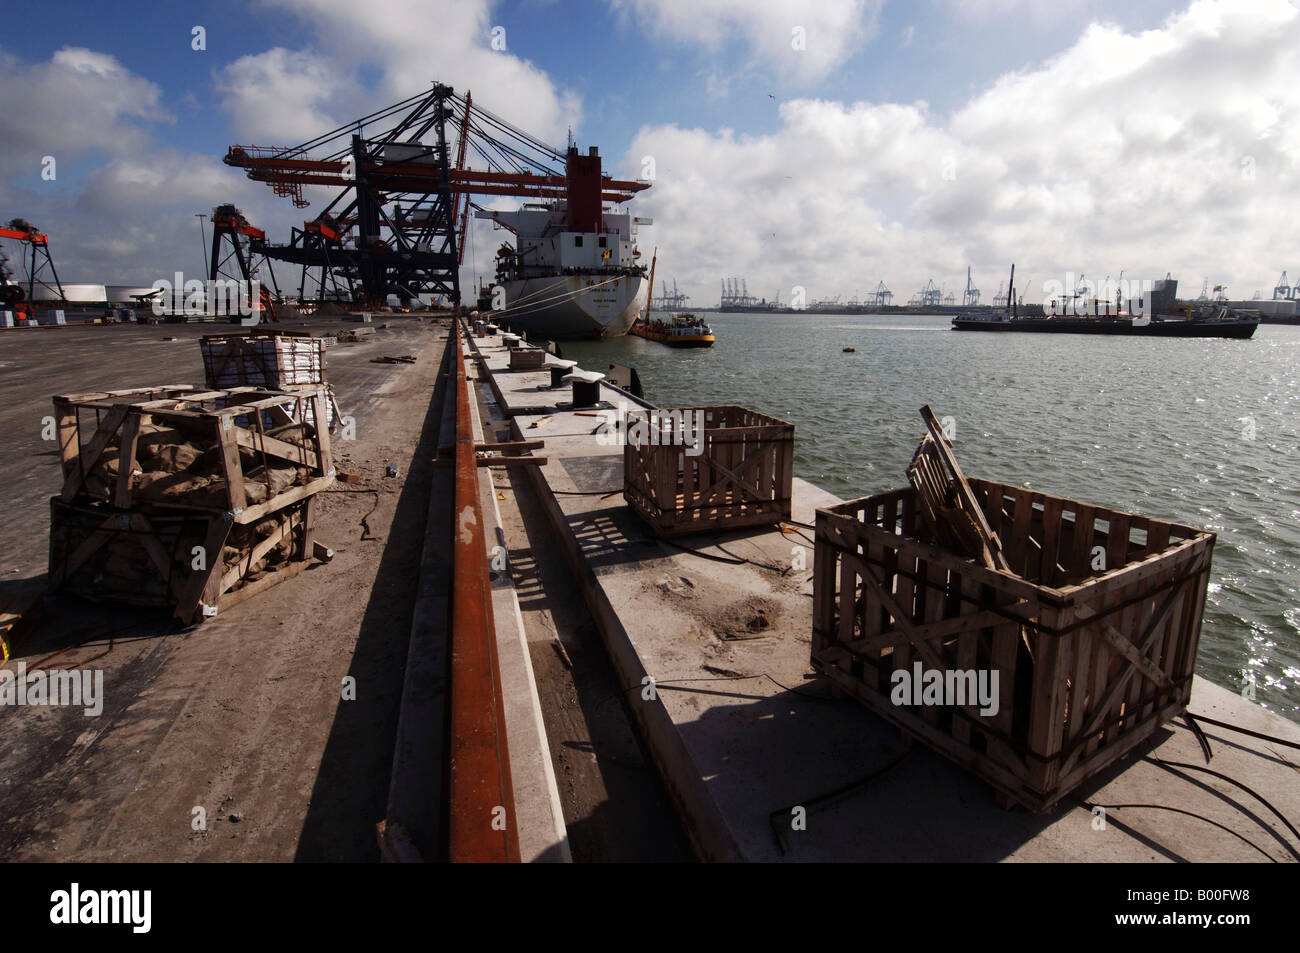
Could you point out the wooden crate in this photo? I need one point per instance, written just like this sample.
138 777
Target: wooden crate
268 359
742 476
244 451
196 563
1091 661
272 360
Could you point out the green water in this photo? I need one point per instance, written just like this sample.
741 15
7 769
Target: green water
1201 432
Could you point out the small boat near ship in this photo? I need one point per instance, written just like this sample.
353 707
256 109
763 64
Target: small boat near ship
684 330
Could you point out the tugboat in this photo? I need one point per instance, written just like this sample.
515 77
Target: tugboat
685 330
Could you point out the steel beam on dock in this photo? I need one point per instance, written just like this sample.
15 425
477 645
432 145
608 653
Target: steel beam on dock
482 811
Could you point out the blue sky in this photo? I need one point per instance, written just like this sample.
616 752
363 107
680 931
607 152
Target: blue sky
851 144
627 76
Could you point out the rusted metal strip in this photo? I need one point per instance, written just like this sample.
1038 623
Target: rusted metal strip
482 822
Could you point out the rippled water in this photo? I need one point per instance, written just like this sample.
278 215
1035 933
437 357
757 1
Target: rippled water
1200 432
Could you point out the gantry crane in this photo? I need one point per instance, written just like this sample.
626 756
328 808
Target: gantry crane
397 224
36 260
239 253
970 298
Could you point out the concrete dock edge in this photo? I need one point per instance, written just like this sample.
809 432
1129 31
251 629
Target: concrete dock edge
704 824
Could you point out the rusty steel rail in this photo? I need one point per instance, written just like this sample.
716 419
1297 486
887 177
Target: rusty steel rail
481 827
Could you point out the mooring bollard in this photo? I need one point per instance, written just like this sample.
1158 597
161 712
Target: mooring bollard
560 369
586 387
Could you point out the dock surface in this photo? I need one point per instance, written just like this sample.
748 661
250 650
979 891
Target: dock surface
748 739
241 717
660 702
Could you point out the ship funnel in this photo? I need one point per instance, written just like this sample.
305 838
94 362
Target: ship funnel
583 191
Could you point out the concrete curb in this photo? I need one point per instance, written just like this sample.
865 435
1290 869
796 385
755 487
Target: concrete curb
705 827
539 814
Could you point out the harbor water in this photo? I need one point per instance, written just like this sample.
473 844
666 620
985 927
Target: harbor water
1201 432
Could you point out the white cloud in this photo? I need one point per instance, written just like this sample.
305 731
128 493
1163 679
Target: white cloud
800 42
77 101
1031 9
121 207
1173 149
280 96
136 215
292 94
129 217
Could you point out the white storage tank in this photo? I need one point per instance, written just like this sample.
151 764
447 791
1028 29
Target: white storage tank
78 294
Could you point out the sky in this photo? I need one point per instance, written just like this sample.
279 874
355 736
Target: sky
821 146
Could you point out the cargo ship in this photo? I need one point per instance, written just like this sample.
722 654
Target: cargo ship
684 330
574 270
1165 318
1226 323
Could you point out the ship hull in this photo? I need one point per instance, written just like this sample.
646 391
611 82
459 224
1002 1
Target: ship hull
574 306
1240 330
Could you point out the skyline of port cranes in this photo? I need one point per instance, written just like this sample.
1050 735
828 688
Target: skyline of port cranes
735 295
1285 291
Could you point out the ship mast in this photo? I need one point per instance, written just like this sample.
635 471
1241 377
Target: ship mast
650 295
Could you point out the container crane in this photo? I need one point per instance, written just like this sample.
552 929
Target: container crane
401 205
971 296
37 263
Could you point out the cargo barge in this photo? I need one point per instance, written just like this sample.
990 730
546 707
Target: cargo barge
1161 315
1224 324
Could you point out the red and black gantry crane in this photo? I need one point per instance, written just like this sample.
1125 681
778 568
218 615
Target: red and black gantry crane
397 225
37 264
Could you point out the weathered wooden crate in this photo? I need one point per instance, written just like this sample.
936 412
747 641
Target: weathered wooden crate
526 358
272 360
739 473
244 451
1094 642
267 359
196 563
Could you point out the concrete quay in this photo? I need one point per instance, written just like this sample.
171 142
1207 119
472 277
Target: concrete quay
747 739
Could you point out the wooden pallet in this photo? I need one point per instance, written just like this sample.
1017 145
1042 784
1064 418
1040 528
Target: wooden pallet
1093 628
948 505
244 451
